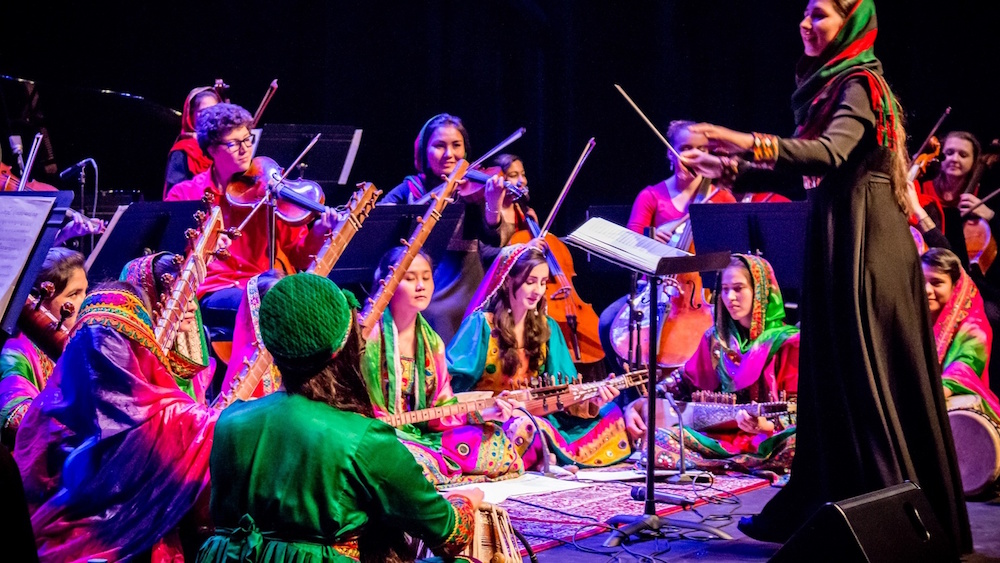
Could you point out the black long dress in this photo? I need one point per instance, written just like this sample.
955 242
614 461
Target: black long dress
871 406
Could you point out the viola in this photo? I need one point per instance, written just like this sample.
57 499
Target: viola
298 201
48 331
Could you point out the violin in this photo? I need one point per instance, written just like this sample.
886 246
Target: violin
41 326
298 201
477 181
980 244
918 167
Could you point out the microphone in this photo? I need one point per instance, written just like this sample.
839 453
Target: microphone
73 170
639 493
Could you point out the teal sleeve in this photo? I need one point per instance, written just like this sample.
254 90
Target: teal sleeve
558 362
466 353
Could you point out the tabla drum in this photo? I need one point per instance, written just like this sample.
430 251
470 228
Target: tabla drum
977 443
494 540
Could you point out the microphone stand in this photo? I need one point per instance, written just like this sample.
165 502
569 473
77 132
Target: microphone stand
649 520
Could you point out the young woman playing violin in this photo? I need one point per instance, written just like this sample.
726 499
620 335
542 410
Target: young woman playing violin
405 368
442 142
511 216
25 367
223 132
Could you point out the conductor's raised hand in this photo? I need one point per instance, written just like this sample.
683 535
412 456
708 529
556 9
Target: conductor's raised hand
722 138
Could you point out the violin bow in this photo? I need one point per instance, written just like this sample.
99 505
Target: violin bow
648 122
569 182
36 143
931 134
271 89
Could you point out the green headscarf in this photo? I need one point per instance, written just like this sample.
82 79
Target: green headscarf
850 54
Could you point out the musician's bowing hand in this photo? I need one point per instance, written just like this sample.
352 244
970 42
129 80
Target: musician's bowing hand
753 424
472 494
635 424
700 162
969 201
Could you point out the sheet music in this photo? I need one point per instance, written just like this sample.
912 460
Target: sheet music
23 219
611 240
527 484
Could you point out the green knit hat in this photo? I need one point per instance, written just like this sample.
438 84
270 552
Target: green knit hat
306 319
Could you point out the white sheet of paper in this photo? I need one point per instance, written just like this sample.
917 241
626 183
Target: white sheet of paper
527 484
22 219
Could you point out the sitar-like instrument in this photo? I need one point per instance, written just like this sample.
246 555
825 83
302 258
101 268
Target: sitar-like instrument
360 205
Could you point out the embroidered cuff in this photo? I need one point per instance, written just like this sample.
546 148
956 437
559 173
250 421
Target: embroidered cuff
765 151
465 527
475 418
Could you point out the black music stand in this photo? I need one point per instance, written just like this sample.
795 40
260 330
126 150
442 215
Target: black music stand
671 262
776 230
144 225
329 162
384 228
42 243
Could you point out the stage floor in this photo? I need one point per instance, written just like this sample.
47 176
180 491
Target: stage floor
984 516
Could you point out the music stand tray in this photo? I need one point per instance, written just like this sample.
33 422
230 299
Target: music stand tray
145 225
24 219
644 255
385 228
776 230
329 162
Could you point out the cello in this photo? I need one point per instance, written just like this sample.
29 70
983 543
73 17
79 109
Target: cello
576 317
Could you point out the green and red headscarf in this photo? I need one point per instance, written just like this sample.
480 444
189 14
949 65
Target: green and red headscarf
851 54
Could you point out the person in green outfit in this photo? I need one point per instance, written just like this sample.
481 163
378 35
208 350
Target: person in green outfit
307 472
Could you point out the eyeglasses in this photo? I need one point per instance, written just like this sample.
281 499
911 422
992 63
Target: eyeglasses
233 146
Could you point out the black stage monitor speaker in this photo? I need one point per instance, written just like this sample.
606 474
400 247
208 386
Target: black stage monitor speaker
891 525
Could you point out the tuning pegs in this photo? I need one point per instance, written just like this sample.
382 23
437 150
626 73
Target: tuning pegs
208 198
221 254
65 312
178 259
191 234
232 232
200 216
404 242
46 290
167 279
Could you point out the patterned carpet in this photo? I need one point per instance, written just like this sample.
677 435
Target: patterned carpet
550 519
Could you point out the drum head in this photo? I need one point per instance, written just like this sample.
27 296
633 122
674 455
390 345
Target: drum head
977 443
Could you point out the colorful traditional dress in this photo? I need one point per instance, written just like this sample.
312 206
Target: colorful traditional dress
451 449
756 366
298 480
189 359
594 439
112 453
25 371
654 207
963 338
247 342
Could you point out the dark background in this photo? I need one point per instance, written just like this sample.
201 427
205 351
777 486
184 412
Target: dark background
105 76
